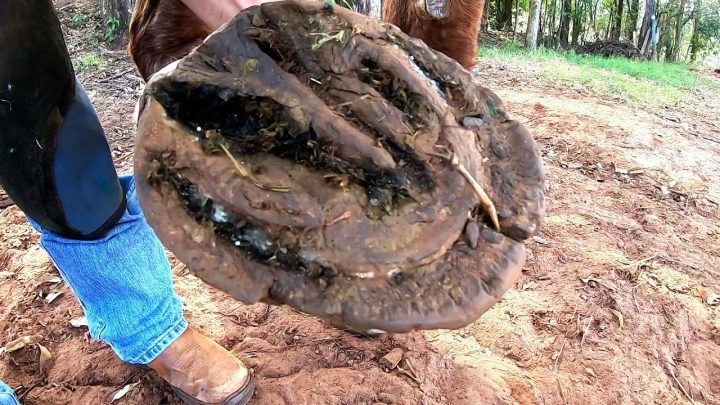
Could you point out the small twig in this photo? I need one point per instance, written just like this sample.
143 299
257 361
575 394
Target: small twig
586 329
667 259
634 147
562 394
706 138
342 217
557 359
634 299
485 200
115 76
347 103
65 7
327 37
302 344
407 373
637 265
265 315
245 173
710 200
410 366
641 261
672 373
702 392
412 376
27 390
531 120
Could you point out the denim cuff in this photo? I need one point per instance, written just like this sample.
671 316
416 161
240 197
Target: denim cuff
160 344
123 282
7 396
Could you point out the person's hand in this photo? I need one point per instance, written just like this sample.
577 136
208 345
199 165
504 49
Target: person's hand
215 13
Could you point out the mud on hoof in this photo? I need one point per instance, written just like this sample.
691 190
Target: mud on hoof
303 155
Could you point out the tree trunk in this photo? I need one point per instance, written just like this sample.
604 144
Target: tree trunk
669 49
665 27
515 19
694 43
508 13
370 8
116 14
632 19
577 20
564 31
593 18
543 19
540 21
679 25
695 40
644 36
504 14
617 21
609 26
485 22
551 25
533 25
654 35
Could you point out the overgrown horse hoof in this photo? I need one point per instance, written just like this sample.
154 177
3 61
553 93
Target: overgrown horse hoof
309 156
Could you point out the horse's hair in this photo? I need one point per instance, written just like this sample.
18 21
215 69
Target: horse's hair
455 35
162 31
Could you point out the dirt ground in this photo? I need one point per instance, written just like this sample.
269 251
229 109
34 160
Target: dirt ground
618 302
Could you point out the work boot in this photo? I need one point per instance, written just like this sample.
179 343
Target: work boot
203 372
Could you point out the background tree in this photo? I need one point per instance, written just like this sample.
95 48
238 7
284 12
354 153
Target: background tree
580 14
687 30
371 8
564 29
706 29
632 19
644 37
515 18
680 20
533 25
504 10
616 26
116 14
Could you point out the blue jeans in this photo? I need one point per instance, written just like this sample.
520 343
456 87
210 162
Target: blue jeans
123 282
7 396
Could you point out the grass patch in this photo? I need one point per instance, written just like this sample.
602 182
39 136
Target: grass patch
655 83
89 61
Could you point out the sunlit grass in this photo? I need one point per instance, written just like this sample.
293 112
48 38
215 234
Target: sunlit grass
645 82
89 61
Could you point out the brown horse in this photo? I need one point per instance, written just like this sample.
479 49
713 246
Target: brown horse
162 31
447 26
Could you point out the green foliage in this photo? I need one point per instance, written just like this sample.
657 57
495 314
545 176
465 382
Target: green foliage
671 74
596 19
709 27
655 83
112 25
581 9
89 61
78 20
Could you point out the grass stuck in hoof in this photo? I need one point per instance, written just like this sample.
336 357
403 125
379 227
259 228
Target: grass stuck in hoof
650 83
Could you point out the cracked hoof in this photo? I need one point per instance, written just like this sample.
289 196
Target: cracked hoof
300 156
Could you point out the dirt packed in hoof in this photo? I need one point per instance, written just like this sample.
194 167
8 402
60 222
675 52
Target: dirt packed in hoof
618 303
358 204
